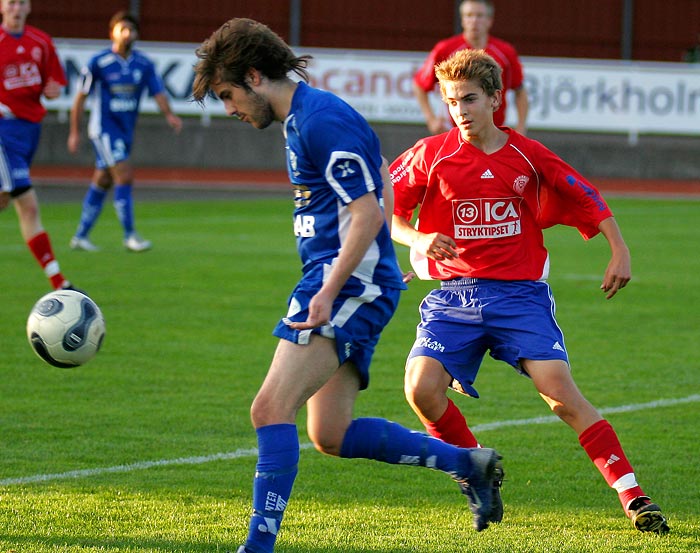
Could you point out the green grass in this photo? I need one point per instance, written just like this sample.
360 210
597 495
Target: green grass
188 343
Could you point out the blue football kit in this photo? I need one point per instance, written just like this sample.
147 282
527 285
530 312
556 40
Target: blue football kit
116 86
333 158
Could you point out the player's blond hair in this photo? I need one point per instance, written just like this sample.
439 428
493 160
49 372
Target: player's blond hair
470 65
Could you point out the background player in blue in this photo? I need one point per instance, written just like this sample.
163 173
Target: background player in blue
350 283
116 79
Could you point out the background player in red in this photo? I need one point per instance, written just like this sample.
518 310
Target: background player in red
477 19
29 68
485 194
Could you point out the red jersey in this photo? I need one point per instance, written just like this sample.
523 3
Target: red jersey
493 205
503 52
26 64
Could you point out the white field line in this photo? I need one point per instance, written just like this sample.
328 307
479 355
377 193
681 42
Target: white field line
245 453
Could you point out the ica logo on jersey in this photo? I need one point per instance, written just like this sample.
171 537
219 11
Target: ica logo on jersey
486 218
22 75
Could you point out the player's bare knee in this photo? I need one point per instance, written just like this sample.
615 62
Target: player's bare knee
422 394
561 411
262 412
327 448
327 445
103 180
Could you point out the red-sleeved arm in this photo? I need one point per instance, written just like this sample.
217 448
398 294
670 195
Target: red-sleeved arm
516 77
54 69
409 178
566 197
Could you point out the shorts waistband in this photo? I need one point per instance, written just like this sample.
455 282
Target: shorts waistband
463 282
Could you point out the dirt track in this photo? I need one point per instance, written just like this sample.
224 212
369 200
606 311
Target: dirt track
69 183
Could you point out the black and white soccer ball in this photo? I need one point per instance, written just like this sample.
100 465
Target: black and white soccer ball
65 328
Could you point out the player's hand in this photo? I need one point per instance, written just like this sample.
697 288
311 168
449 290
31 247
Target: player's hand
73 142
617 274
52 89
319 313
436 246
175 122
438 125
408 276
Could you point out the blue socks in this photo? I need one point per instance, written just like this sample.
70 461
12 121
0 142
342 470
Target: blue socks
278 457
92 207
124 206
389 442
367 438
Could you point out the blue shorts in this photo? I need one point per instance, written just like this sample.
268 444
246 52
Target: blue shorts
18 143
110 149
468 317
359 314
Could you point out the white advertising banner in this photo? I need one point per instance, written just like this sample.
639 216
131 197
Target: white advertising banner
565 94
632 97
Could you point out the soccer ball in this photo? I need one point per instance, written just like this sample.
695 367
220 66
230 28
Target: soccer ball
65 328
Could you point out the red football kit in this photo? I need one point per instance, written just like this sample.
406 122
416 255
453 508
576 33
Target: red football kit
493 205
503 52
26 65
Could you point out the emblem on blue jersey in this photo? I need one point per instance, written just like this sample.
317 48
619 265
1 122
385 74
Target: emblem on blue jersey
293 163
302 195
345 169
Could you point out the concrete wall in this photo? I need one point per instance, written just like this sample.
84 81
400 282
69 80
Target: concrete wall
227 143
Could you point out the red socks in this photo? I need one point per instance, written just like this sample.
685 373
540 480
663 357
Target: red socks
452 428
603 447
599 441
40 246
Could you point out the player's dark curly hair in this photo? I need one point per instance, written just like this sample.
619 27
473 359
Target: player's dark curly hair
237 46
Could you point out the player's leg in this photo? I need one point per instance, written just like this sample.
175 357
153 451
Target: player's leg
555 384
123 173
18 143
451 334
93 202
425 386
334 432
543 357
36 238
448 350
296 373
106 155
329 411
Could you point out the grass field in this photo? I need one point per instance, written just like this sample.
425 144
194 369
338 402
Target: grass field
148 447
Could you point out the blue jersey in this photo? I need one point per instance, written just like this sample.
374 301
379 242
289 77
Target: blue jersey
116 85
333 158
